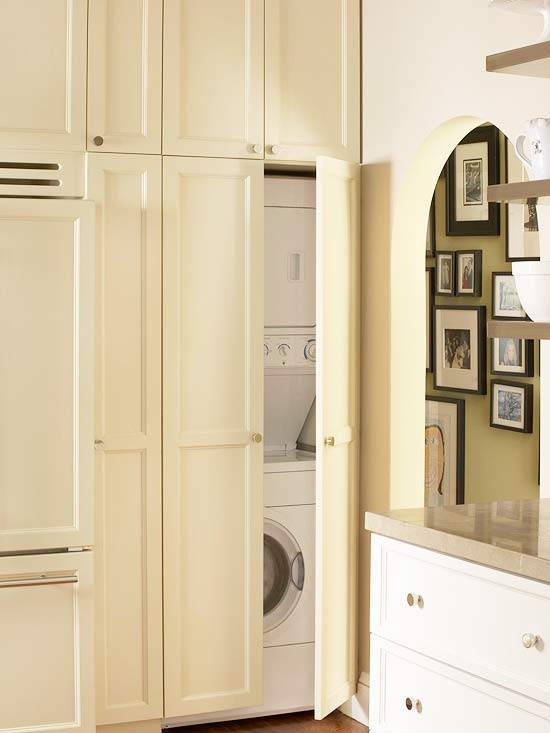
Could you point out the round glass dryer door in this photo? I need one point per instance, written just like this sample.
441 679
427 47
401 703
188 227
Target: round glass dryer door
284 574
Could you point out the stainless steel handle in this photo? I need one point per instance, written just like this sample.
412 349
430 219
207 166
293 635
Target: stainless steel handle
275 149
257 437
330 440
412 704
98 141
530 640
41 579
414 600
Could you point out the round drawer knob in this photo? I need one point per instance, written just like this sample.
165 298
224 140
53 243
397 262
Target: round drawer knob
530 640
275 149
257 437
99 444
256 149
412 704
98 141
414 600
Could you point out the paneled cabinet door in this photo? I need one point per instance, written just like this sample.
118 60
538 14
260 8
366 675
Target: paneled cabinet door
127 192
43 79
312 79
46 374
46 637
125 76
214 78
337 412
213 455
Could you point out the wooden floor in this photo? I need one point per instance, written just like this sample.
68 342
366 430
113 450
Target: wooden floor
296 723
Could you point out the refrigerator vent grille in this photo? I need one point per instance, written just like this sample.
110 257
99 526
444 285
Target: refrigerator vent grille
27 174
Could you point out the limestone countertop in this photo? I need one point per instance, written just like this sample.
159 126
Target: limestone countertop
513 536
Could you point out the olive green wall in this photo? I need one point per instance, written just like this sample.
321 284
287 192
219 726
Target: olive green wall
499 464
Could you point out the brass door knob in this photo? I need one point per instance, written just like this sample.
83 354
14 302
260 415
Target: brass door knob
530 640
257 437
414 600
412 704
98 141
330 440
99 444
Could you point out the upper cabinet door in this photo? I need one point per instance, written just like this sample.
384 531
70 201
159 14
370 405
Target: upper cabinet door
127 192
213 455
338 281
125 76
46 374
213 78
312 79
43 79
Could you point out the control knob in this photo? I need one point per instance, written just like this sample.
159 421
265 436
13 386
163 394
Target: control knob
284 349
266 350
310 350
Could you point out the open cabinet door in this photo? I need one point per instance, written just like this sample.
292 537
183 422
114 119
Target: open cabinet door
338 281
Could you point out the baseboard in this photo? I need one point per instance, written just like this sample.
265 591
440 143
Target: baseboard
357 707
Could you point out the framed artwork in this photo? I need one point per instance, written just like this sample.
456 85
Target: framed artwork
444 451
445 273
512 406
512 356
459 348
474 165
468 266
430 233
506 302
522 230
429 315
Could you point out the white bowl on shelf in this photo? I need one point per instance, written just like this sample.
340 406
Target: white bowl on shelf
533 288
527 7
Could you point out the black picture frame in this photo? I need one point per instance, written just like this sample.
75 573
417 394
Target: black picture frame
528 405
460 440
430 301
489 227
528 352
494 315
449 256
481 342
430 232
477 255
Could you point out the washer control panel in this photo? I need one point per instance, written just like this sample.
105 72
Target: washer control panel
289 351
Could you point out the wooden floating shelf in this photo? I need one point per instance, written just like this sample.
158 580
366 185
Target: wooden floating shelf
518 329
504 193
531 60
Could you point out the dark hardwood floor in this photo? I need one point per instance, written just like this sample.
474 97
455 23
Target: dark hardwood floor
337 722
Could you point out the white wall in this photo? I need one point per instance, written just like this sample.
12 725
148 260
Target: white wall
424 88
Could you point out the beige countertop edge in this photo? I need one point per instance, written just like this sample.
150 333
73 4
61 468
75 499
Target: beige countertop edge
460 547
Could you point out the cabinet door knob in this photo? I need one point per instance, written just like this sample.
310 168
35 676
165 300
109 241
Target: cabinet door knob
98 141
330 440
99 444
256 149
412 704
275 149
530 640
414 600
257 437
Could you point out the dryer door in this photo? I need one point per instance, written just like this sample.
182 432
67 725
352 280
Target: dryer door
283 574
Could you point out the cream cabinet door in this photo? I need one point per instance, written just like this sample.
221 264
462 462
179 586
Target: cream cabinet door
125 76
213 78
46 374
312 77
213 467
46 637
43 79
127 192
338 317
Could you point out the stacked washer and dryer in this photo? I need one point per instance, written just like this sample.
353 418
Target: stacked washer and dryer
289 457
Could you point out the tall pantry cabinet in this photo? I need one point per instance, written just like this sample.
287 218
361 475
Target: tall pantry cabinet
179 105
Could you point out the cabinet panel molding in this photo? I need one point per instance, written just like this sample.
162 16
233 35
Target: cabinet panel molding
125 76
213 395
127 193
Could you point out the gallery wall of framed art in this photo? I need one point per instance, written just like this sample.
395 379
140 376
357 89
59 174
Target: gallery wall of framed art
471 282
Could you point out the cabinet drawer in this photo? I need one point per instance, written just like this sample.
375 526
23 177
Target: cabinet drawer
289 488
414 694
470 616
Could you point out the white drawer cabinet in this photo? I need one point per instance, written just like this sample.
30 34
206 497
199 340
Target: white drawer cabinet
469 616
414 694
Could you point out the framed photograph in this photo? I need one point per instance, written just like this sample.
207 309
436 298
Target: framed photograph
506 302
445 273
459 348
522 230
474 164
444 451
512 356
429 316
512 406
430 233
468 266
